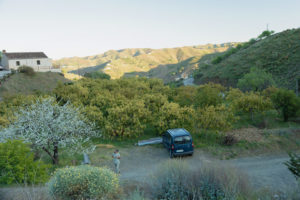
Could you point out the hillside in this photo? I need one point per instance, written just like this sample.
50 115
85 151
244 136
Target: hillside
278 54
41 82
116 63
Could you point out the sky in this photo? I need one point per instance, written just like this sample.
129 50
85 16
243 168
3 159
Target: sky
65 28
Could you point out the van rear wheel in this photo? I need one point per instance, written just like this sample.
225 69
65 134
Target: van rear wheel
171 154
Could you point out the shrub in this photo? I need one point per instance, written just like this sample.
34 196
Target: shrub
294 165
26 70
215 118
83 182
17 164
286 102
229 140
175 180
209 95
97 75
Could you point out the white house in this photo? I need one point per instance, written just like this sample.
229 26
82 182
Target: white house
37 60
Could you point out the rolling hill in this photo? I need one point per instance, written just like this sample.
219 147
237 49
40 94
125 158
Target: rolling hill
41 82
171 62
278 54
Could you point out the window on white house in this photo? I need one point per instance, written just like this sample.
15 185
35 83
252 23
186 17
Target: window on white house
38 62
18 63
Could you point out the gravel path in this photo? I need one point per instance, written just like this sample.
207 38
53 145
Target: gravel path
264 171
139 163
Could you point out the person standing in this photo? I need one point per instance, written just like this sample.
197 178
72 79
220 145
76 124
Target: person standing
116 158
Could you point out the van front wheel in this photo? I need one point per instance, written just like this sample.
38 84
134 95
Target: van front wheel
171 154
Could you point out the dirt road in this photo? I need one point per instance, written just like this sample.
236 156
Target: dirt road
266 171
138 164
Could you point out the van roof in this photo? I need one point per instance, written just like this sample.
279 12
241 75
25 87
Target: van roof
178 132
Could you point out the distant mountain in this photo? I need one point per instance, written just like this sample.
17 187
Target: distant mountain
168 63
278 54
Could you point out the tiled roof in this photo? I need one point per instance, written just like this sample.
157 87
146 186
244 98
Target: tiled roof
25 55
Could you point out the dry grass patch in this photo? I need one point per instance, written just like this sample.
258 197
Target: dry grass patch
248 134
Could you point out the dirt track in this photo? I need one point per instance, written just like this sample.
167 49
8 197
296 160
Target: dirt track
138 164
266 171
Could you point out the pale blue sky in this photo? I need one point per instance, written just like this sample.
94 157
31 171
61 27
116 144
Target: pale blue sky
63 28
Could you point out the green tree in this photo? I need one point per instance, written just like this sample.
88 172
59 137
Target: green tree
49 127
209 95
265 34
171 115
97 75
127 120
256 80
215 118
17 164
252 103
286 102
185 95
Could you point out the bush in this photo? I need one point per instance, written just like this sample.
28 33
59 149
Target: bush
97 75
209 95
294 165
175 180
286 102
218 118
83 182
26 70
17 164
229 140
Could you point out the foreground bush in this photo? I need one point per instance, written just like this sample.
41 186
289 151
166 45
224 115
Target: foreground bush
26 70
175 180
17 164
83 182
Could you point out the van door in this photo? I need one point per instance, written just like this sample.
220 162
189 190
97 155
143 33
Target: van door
183 144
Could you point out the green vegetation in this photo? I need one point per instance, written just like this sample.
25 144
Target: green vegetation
40 83
83 182
96 75
26 70
176 180
256 80
156 63
286 102
294 165
17 165
276 54
48 127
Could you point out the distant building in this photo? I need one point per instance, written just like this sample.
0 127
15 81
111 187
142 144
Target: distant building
37 60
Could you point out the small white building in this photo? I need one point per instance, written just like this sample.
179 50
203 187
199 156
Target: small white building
37 60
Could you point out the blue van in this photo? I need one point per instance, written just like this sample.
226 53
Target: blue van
178 142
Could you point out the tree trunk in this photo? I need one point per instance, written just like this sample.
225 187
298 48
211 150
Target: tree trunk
55 155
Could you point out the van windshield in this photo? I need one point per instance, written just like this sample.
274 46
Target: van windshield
182 139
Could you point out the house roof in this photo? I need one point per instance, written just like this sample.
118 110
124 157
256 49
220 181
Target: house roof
178 132
25 55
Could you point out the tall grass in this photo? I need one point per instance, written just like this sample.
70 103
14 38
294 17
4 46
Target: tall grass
177 180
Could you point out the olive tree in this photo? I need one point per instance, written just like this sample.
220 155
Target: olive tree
48 127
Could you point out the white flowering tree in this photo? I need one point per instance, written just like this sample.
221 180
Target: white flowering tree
50 127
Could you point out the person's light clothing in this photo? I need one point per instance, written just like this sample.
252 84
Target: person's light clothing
116 158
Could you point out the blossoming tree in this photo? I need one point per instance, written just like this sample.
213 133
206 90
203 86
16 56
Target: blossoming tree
49 127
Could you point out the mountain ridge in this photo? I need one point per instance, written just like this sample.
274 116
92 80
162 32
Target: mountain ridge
117 63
